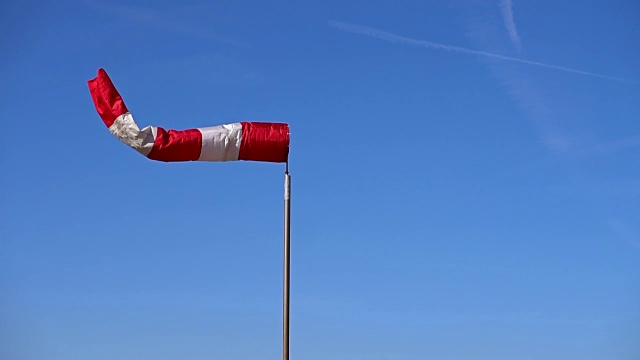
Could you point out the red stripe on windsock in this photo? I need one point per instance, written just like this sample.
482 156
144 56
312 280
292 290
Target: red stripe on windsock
264 142
106 98
176 145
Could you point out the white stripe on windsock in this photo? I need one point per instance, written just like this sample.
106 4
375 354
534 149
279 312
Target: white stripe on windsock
221 143
126 129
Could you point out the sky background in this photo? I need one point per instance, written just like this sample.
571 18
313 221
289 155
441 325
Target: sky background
466 182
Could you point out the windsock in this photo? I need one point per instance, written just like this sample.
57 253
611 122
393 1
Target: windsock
253 141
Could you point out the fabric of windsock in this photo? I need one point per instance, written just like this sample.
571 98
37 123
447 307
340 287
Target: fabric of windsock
253 141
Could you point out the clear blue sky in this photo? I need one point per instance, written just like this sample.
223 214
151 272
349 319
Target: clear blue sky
466 182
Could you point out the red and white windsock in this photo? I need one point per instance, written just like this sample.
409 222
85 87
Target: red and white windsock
255 141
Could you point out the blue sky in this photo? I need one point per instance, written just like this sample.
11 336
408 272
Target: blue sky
466 182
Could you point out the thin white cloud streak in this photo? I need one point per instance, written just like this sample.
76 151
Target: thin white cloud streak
510 24
387 36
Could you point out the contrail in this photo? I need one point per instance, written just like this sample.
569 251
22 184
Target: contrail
383 35
510 24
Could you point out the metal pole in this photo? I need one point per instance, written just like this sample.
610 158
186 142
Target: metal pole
287 263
